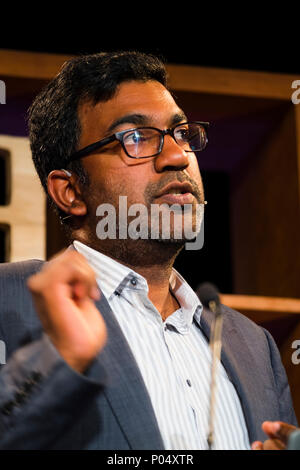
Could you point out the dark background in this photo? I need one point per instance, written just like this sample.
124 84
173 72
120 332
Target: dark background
249 35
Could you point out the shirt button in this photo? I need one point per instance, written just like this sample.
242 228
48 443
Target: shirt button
133 281
189 383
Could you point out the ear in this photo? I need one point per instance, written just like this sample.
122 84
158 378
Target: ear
65 192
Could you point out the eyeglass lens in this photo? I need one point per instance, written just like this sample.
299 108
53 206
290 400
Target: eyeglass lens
146 142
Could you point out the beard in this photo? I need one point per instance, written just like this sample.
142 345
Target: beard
153 236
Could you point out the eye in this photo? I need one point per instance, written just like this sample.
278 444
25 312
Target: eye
182 133
134 138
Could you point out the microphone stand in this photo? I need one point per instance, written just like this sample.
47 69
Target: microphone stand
215 345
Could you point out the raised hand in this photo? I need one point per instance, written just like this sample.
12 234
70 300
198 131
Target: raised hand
64 294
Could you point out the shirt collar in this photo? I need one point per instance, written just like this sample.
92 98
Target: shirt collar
190 304
113 276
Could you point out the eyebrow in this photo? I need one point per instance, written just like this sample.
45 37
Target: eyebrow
143 120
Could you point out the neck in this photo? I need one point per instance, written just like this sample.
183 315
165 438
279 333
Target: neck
158 276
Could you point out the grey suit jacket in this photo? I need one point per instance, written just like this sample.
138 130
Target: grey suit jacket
44 404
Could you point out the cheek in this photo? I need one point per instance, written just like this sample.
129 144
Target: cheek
109 184
116 175
194 172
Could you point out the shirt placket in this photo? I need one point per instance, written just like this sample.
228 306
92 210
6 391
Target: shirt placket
185 384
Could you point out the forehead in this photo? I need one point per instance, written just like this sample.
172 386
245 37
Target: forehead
150 98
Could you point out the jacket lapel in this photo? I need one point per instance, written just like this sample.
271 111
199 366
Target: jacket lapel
126 391
239 358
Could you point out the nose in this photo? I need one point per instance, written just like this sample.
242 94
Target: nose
172 156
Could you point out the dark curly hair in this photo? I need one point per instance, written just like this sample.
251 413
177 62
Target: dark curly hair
54 127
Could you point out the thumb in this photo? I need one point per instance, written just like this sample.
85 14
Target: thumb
257 445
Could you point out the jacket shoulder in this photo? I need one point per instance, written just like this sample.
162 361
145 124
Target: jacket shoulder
253 333
240 319
20 269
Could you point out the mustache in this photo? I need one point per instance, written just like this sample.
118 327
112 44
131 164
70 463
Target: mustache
153 189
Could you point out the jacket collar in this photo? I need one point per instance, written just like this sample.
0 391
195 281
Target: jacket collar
127 393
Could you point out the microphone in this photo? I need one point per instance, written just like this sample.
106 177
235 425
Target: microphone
209 296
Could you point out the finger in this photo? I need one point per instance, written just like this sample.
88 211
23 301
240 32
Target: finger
81 291
70 268
95 293
257 445
278 430
68 265
274 444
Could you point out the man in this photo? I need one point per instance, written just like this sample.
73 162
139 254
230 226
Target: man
114 353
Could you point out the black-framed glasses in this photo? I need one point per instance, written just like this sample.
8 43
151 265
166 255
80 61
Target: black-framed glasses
146 142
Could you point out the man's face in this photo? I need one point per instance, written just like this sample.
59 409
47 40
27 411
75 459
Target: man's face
112 173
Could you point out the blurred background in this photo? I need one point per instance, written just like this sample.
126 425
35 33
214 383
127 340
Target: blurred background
239 81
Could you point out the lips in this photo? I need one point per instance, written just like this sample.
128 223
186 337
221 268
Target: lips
176 188
177 193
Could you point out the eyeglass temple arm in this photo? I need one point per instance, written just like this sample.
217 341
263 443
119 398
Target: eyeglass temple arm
90 148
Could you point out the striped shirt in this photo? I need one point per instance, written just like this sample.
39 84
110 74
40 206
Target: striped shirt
173 357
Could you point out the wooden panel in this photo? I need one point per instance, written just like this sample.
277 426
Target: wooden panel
266 217
25 212
182 77
231 82
30 64
297 124
219 107
262 309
